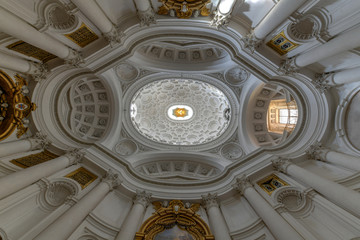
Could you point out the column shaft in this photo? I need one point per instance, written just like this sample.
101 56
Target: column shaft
217 223
346 76
14 63
339 44
65 225
281 229
276 16
92 10
130 226
342 159
342 196
18 28
10 148
142 5
15 181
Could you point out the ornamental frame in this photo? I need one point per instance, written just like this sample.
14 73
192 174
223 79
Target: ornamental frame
174 214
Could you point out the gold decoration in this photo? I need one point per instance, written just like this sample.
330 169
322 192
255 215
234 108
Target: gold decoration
175 214
31 51
271 183
34 159
180 112
83 176
82 36
14 106
281 44
184 8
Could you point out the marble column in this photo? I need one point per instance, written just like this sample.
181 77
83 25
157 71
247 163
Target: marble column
145 12
18 28
93 11
16 181
280 228
17 64
317 152
341 43
66 224
339 194
217 222
135 217
276 16
38 141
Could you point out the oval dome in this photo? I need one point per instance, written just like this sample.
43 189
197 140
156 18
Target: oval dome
180 112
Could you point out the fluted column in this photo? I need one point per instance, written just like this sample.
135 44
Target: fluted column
92 10
342 196
134 218
280 228
18 28
217 222
276 16
66 224
38 141
145 12
15 181
317 152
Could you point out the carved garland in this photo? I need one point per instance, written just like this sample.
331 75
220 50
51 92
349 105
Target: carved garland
175 214
15 107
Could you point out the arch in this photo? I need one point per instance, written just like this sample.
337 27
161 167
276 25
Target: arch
174 214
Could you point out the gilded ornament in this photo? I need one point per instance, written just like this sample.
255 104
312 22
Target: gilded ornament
83 176
31 51
82 36
184 8
271 183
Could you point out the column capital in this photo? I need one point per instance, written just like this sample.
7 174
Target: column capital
321 82
74 58
317 152
210 200
146 17
251 42
220 19
39 141
241 184
114 36
142 197
281 164
74 155
38 71
112 179
288 67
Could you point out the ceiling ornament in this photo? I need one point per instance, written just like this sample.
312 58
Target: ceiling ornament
176 213
126 72
150 106
281 44
15 106
184 8
231 151
126 147
236 76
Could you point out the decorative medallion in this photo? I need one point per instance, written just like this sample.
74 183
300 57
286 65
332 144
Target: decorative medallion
15 106
184 8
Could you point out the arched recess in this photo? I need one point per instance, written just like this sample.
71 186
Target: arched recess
174 214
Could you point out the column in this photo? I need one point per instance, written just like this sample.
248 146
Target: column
317 152
92 11
343 42
15 181
20 29
38 141
135 217
341 77
217 222
66 224
145 12
276 16
280 228
340 195
222 13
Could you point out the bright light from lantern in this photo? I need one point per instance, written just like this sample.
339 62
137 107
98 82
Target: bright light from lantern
225 6
180 112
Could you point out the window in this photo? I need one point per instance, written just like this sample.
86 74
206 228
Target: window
288 116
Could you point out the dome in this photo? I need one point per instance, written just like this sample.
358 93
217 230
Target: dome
180 112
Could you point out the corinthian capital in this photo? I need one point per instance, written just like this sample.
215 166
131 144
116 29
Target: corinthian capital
241 184
74 58
317 152
251 42
288 67
75 156
112 179
39 141
281 164
210 200
38 71
321 82
114 36
147 17
143 198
